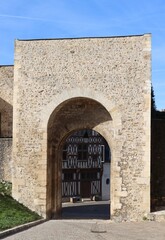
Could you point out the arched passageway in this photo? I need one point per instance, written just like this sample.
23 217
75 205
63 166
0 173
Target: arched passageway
68 118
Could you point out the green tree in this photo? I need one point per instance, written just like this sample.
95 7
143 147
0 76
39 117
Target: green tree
153 105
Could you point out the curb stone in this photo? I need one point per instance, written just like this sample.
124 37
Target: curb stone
20 228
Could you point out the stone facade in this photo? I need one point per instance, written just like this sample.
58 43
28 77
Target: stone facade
6 83
63 85
6 159
6 121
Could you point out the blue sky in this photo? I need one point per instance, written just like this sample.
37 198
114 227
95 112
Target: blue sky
33 19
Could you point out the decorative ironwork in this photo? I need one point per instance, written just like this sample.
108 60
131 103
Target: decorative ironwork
83 150
83 158
73 183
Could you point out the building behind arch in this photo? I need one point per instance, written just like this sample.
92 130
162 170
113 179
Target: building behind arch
86 166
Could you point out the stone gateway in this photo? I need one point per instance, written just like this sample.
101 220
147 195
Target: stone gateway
61 86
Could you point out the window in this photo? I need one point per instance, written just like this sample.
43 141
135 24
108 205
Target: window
68 176
89 176
82 152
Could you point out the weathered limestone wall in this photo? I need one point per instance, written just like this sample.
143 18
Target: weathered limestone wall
112 71
6 159
6 120
6 83
6 100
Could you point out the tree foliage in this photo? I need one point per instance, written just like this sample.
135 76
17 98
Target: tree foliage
153 105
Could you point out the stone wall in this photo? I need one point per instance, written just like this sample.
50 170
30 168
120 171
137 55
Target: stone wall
113 72
6 100
6 83
6 120
6 159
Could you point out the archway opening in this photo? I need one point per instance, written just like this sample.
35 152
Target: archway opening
66 120
86 176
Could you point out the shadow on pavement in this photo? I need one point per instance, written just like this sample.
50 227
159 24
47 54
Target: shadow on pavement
86 211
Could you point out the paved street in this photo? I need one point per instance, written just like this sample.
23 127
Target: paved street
92 230
89 221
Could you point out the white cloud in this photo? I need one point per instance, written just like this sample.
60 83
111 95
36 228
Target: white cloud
21 17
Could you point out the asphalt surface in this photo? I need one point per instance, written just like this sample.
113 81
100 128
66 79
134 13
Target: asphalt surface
86 210
90 221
